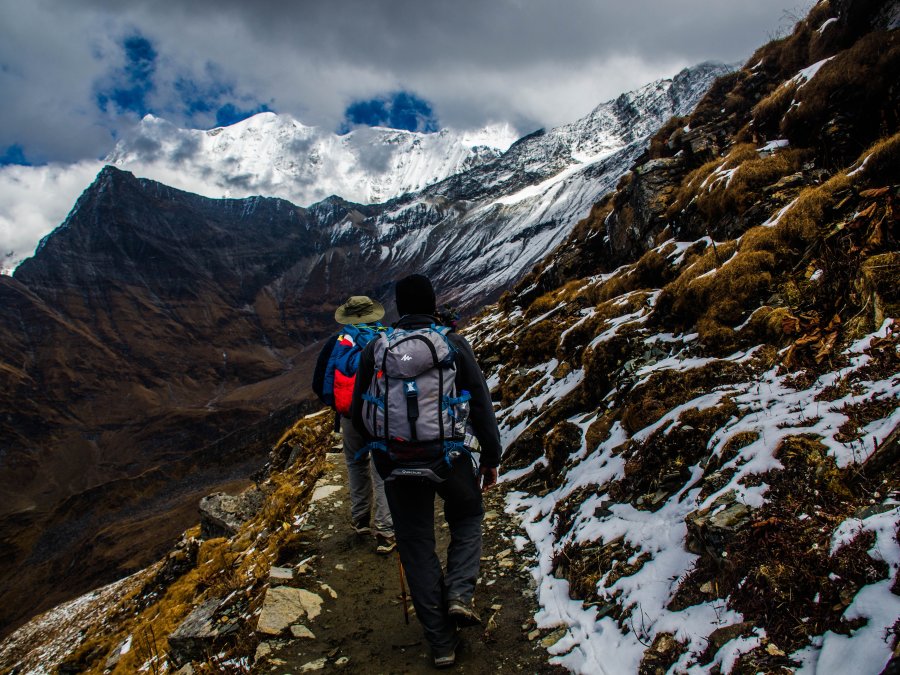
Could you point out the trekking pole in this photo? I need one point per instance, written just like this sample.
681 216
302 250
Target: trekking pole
403 589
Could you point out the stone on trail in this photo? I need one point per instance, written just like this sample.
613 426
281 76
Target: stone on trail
284 605
281 575
323 491
555 636
318 664
298 630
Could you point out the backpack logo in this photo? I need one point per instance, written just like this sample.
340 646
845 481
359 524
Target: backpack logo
406 357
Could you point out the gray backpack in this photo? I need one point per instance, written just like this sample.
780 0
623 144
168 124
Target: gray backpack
412 407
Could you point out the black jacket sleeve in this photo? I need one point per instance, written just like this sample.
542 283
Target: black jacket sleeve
318 381
481 410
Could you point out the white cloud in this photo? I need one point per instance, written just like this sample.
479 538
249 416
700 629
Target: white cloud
477 62
33 201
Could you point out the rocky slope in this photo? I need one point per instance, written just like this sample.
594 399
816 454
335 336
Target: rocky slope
155 327
699 390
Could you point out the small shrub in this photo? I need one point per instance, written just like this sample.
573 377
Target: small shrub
516 385
562 441
599 431
537 343
584 565
851 102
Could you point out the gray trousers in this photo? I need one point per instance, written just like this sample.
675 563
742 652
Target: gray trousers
366 485
412 504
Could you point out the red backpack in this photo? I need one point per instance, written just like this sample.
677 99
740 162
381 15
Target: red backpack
340 374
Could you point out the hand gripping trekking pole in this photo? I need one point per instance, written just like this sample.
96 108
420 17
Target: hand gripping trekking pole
403 589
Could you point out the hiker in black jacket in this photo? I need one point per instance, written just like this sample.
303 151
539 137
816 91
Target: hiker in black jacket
443 603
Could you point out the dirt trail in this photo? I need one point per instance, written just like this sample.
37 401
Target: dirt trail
361 628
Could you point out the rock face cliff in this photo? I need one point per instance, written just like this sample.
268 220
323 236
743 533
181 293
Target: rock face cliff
155 330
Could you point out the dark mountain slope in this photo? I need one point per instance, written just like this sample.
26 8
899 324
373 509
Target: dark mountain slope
129 341
700 389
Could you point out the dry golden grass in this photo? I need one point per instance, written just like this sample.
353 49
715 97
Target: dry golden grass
882 161
714 295
851 102
768 113
565 295
716 198
628 302
222 566
649 272
691 186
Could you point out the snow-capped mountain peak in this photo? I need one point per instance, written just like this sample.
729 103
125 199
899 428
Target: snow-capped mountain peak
276 155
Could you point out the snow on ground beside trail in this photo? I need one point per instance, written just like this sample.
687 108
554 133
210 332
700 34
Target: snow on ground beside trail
866 648
529 405
771 409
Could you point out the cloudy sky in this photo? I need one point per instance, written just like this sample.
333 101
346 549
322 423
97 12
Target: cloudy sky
77 74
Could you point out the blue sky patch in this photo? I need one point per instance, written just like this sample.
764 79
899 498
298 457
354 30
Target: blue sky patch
14 154
130 85
200 100
399 110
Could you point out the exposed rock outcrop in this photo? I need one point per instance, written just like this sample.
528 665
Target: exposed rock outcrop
221 515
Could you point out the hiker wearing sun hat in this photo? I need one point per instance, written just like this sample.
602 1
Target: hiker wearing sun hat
333 382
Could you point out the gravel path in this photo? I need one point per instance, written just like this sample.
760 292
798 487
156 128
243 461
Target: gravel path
361 628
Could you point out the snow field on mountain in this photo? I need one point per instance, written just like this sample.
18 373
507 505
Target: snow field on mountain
770 409
275 155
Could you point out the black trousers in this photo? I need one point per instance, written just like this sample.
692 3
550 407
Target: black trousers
411 500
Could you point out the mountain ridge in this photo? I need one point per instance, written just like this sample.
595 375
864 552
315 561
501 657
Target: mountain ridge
170 319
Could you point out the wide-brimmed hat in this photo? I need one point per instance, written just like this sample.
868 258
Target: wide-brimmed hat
359 309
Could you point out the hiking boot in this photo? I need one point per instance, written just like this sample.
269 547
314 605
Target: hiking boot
445 658
362 527
384 543
462 613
